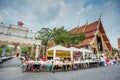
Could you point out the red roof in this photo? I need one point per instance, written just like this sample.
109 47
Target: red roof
90 34
90 30
91 27
118 42
85 42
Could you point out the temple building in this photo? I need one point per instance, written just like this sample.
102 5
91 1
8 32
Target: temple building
18 36
96 38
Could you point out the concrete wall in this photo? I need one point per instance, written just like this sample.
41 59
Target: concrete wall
17 31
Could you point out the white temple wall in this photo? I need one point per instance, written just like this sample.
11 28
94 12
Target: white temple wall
3 29
16 32
31 35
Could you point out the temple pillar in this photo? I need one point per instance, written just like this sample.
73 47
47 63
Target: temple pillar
43 52
32 51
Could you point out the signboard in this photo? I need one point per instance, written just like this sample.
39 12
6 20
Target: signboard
61 54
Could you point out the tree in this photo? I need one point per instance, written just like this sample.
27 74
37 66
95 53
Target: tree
77 38
45 34
24 50
62 36
8 50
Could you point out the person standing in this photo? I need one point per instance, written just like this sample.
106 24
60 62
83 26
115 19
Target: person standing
107 61
102 62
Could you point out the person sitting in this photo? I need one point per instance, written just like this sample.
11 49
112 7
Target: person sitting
24 65
42 63
64 67
49 66
30 59
36 65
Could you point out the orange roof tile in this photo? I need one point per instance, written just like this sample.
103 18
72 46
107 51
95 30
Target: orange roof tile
118 42
85 42
90 34
77 30
85 28
101 28
90 31
105 38
80 29
91 27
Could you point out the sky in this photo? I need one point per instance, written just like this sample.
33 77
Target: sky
37 14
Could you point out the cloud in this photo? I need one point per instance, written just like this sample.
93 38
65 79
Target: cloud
84 9
80 11
6 12
89 7
39 11
111 22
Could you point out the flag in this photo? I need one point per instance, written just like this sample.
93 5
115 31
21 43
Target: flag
20 23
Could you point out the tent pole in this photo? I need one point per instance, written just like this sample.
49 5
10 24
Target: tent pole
54 54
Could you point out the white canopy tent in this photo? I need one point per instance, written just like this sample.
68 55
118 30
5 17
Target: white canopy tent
84 51
71 49
59 47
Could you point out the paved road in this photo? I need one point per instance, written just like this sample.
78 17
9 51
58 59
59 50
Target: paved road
11 71
15 62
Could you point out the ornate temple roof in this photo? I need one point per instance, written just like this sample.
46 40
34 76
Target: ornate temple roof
90 31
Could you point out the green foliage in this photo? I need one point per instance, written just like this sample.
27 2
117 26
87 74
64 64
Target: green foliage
8 50
77 38
62 36
45 35
24 50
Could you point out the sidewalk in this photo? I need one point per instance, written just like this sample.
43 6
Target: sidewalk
15 61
